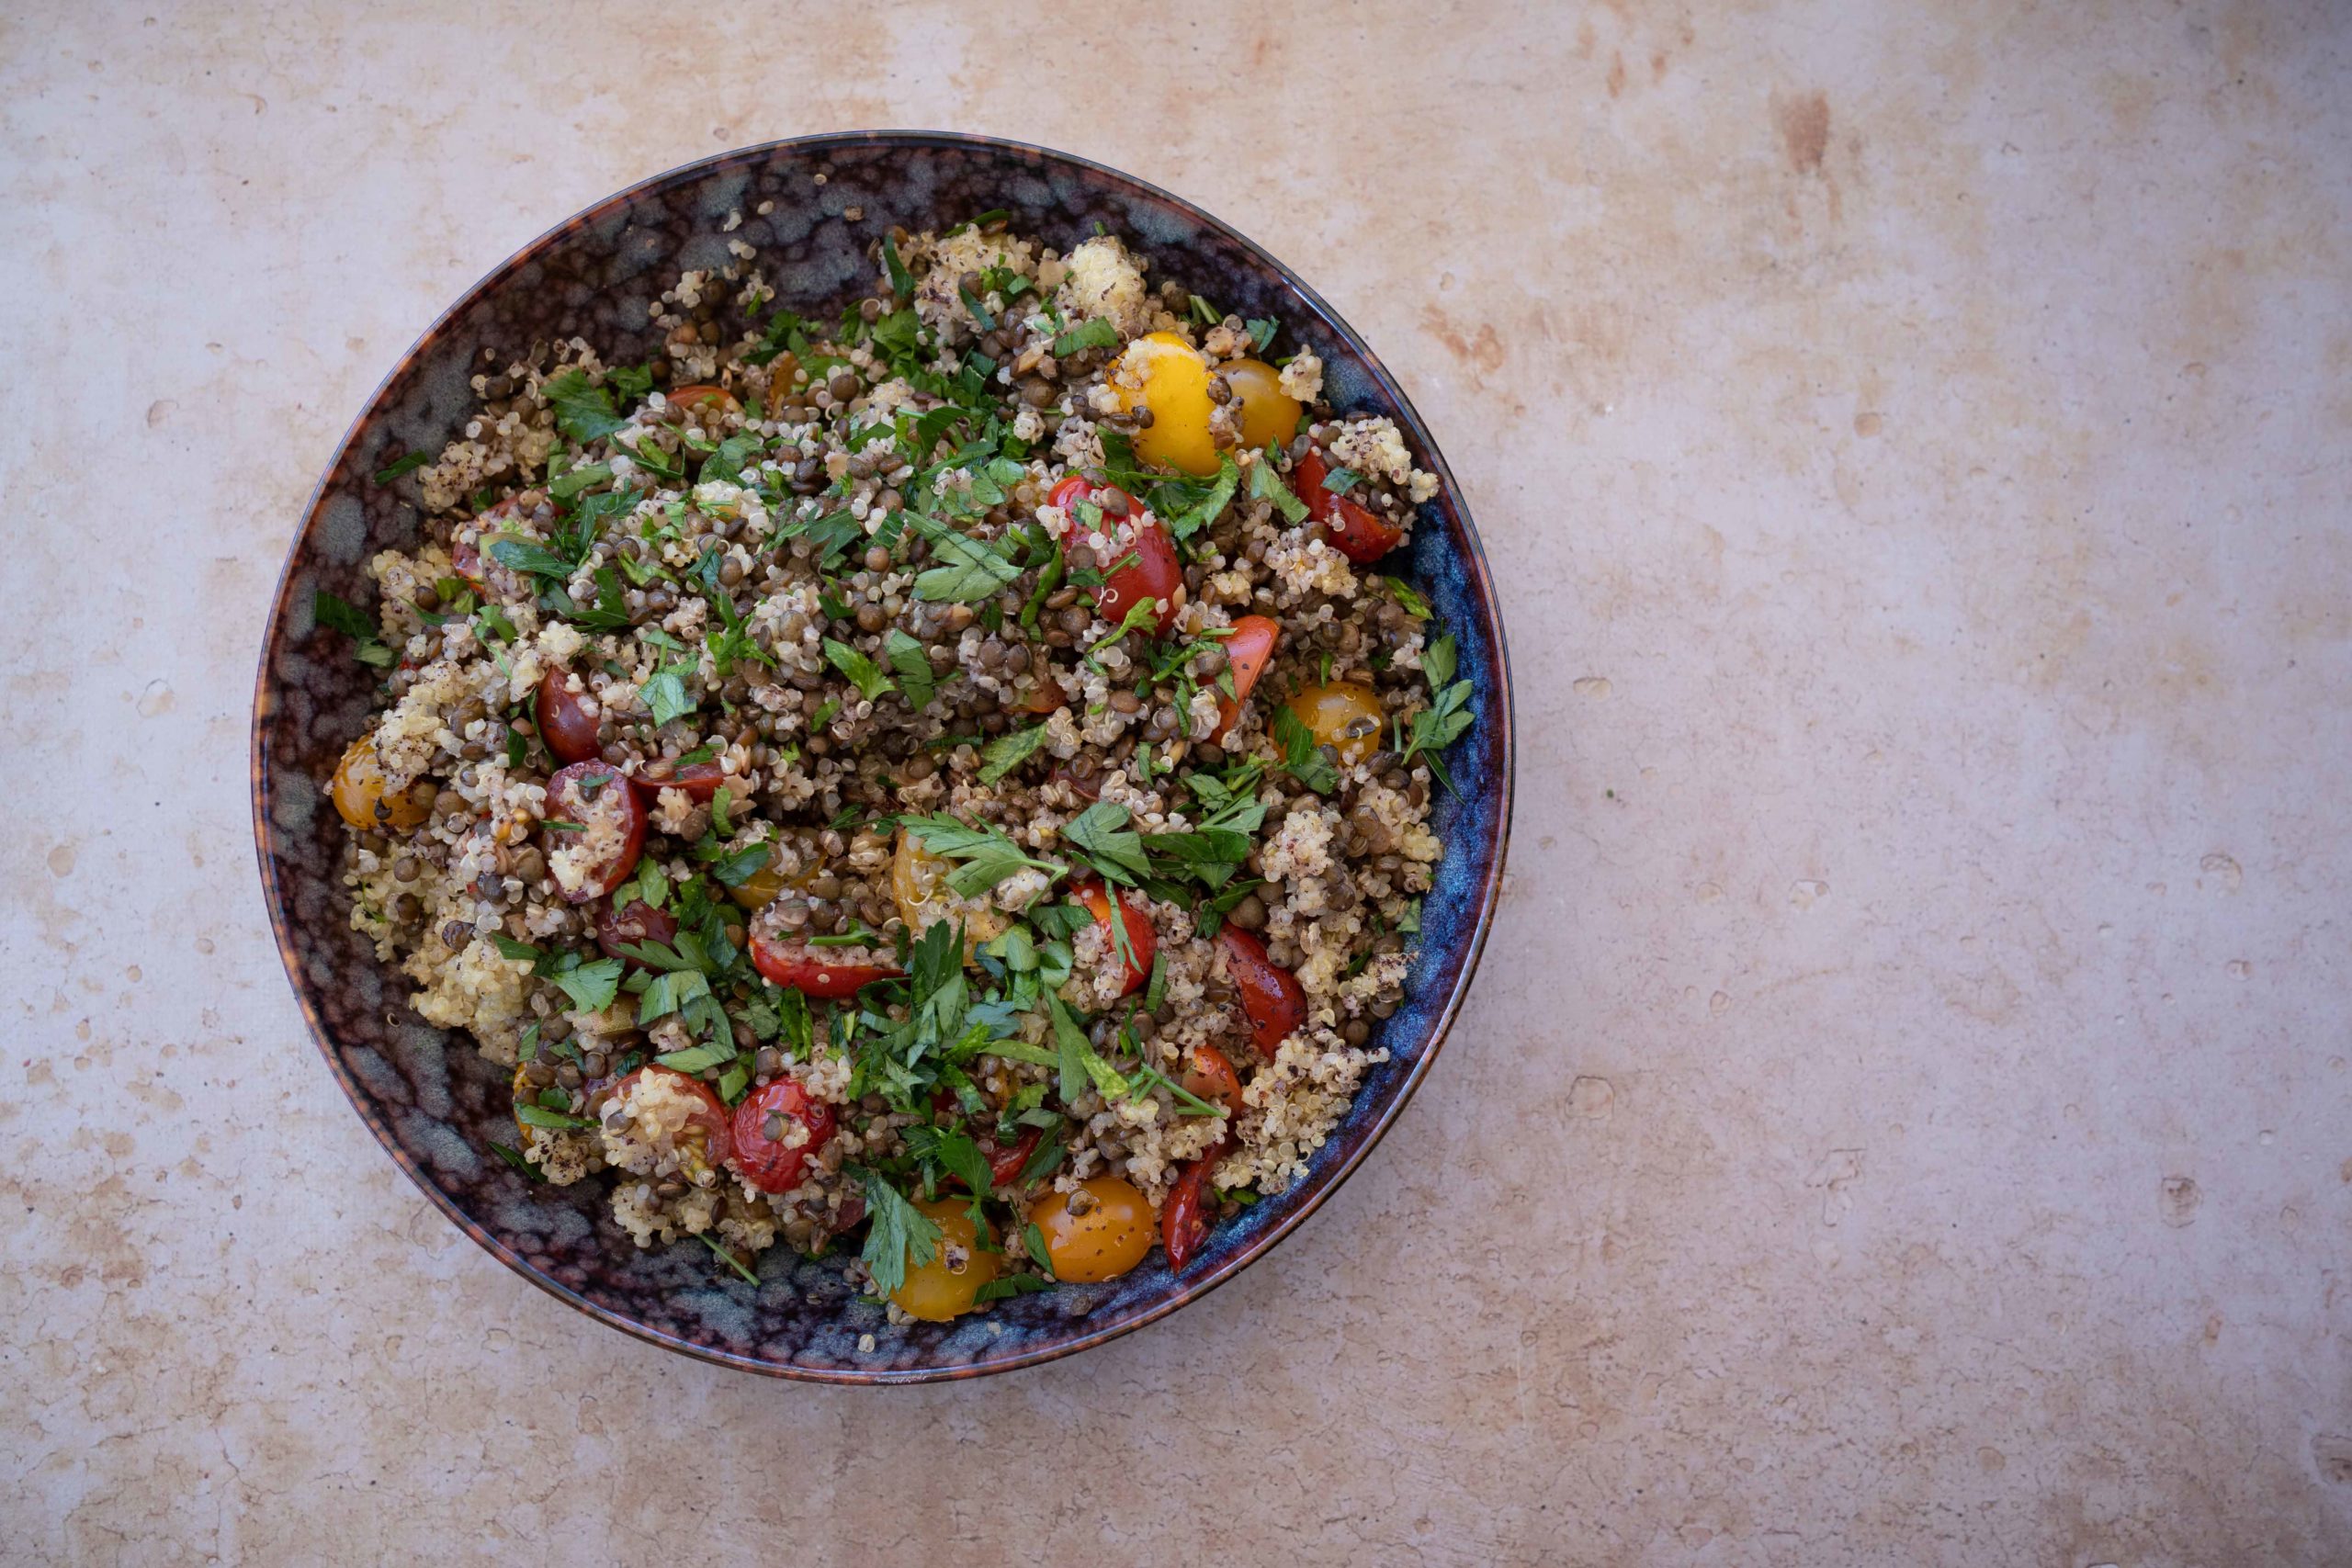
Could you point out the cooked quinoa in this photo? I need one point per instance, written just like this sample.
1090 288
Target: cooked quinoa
953 772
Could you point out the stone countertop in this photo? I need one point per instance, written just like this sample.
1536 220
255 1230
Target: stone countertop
1903 1114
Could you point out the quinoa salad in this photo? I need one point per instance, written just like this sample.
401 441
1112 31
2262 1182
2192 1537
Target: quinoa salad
949 784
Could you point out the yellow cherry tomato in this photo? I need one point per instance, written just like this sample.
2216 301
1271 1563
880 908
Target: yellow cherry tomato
1269 414
1341 714
919 888
944 1287
359 791
1175 381
759 890
1106 1241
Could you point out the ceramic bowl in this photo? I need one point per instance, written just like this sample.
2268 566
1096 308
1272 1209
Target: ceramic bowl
811 206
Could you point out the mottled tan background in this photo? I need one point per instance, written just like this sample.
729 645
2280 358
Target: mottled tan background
1903 1116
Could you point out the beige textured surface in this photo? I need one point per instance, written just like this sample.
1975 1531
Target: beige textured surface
1903 1117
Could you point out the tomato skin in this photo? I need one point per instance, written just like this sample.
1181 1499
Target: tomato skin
1211 1075
762 1161
701 398
637 922
1087 788
931 1291
567 802
1354 530
1141 934
1271 997
1248 650
1006 1160
465 564
799 967
1184 1214
1044 697
361 798
1154 573
710 1118
1110 1238
566 722
700 781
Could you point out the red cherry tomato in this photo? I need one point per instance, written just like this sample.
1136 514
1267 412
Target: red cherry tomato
1045 696
766 1163
702 398
1005 1160
465 564
1211 1076
699 780
637 922
594 795
1184 1217
1270 994
1154 571
567 722
1140 936
1354 530
708 1119
811 971
1248 650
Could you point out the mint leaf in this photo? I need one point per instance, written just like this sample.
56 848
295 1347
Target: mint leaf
583 411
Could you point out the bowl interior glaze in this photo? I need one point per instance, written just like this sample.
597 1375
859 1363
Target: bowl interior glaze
428 1096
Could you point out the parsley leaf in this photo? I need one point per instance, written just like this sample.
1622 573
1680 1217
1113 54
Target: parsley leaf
1096 333
900 1233
583 411
1102 832
987 855
400 466
1267 485
974 569
1081 1068
902 282
540 1116
1448 715
862 671
591 987
338 615
1205 511
913 665
1262 331
1009 750
1301 757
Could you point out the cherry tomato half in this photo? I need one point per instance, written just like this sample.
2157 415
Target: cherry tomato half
1184 1214
1248 650
1212 1077
1140 935
1355 530
813 972
699 780
1271 997
780 1164
567 718
636 922
701 400
1152 570
610 835
708 1123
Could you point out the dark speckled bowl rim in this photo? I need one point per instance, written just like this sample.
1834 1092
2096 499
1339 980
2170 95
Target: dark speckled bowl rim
1322 1184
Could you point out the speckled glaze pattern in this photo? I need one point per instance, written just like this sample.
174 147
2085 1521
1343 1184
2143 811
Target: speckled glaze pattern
428 1095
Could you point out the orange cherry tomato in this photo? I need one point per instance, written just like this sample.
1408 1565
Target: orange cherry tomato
1269 414
1151 571
949 1285
1211 1076
1110 1237
1271 997
1248 650
813 972
1354 530
776 1165
1140 935
362 800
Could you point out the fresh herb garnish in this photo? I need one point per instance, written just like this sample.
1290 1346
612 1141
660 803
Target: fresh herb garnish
988 856
1301 759
339 615
1009 750
1096 333
974 570
400 466
862 671
899 1234
1448 714
1267 485
583 411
